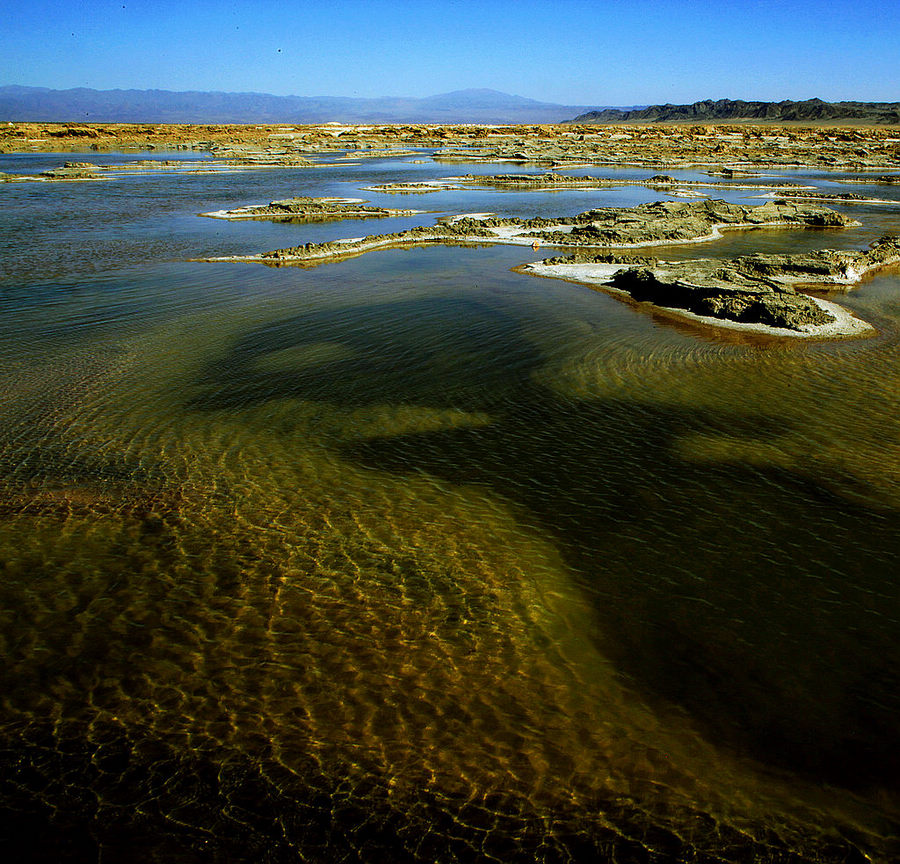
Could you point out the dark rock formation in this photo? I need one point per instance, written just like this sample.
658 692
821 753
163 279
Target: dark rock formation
807 111
647 224
677 222
72 171
310 209
721 291
752 289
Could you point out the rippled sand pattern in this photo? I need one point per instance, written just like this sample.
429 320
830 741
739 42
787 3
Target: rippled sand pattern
407 569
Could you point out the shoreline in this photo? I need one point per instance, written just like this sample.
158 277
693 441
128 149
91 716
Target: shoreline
715 144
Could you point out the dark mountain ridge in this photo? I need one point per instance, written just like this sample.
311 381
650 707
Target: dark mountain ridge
85 105
809 110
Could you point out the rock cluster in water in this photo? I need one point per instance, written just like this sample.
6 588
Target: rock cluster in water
73 171
752 289
311 209
663 222
552 181
68 171
653 224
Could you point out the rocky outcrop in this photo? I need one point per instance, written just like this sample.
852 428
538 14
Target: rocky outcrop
752 289
662 222
550 181
310 209
836 197
536 181
73 171
807 111
654 224
717 290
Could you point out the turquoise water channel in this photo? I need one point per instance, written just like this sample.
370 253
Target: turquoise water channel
414 558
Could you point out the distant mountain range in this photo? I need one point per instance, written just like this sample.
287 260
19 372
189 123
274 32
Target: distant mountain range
460 106
810 111
165 106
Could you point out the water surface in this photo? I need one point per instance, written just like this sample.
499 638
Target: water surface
414 558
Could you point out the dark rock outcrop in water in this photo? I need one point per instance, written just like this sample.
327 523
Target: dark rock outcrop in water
73 171
717 290
664 222
709 110
752 289
655 224
310 209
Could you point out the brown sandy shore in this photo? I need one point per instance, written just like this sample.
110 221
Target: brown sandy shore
732 146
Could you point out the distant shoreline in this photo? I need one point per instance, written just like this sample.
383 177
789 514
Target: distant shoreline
732 147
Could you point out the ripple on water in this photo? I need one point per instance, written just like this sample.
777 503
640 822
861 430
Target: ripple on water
379 565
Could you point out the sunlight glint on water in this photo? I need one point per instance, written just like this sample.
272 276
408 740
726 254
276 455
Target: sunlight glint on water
412 547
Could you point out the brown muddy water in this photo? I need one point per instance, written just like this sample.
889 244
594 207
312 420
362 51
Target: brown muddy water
411 558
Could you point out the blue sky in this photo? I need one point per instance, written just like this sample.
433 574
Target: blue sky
606 52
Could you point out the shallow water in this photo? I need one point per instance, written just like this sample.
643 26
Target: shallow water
414 558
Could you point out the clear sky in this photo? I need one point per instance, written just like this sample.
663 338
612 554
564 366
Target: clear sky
575 52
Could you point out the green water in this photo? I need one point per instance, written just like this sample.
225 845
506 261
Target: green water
414 558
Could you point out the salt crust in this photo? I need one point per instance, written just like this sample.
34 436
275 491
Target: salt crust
845 324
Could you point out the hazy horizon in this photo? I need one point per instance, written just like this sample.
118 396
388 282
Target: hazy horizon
568 52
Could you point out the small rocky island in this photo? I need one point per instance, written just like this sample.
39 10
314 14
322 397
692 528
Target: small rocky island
663 222
659 223
67 172
310 210
552 182
753 290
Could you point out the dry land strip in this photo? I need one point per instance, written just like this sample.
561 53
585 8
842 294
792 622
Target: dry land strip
736 147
